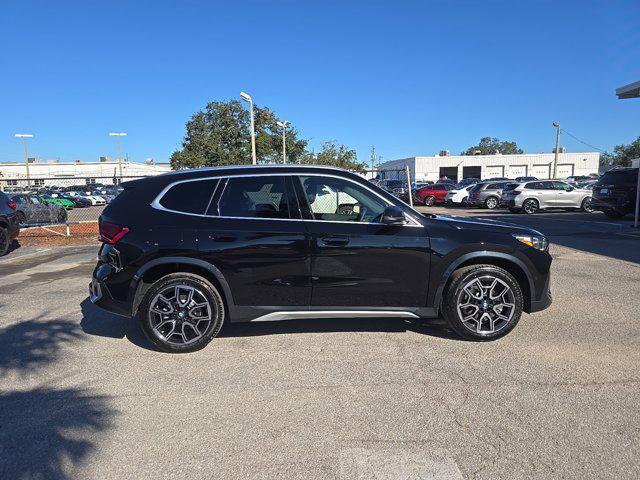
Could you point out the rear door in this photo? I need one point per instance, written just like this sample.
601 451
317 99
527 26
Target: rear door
254 234
357 261
548 195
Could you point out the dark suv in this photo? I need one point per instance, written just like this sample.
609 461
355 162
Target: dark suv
192 249
9 226
615 192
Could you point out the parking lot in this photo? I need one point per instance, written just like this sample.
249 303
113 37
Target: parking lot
84 395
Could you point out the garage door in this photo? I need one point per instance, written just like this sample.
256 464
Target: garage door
517 171
565 170
492 171
541 171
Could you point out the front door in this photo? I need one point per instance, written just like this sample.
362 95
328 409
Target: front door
357 261
254 235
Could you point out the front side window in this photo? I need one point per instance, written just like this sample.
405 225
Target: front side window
255 197
189 197
339 200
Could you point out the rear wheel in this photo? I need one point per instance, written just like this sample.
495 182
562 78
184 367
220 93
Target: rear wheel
530 206
482 302
491 203
586 205
182 312
429 201
4 241
22 219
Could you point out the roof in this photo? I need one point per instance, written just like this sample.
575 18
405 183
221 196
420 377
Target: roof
226 168
629 91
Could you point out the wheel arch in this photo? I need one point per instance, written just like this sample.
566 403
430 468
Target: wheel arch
510 263
154 270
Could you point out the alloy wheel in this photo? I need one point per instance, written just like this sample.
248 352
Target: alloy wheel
181 314
491 203
530 206
486 305
429 201
586 205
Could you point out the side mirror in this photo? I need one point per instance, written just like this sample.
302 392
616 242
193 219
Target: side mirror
393 216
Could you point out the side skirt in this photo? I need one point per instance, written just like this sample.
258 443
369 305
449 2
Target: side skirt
275 313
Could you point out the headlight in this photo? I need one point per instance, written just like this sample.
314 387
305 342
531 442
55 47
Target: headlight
539 243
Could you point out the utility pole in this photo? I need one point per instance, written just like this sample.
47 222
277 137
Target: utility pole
284 139
24 137
555 159
247 98
118 135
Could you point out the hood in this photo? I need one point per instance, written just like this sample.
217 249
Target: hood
478 224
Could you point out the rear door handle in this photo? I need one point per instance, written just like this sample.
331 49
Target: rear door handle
335 241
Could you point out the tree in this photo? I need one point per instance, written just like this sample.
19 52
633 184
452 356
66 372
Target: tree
622 154
491 146
221 135
337 156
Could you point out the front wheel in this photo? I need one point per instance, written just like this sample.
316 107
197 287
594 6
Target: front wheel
182 312
482 302
586 205
429 201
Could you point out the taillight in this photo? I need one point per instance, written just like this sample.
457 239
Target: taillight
111 233
12 205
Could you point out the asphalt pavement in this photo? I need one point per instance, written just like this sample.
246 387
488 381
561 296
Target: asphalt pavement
84 395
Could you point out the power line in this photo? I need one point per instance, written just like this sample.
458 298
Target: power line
576 138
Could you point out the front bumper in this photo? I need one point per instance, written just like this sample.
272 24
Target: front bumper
545 299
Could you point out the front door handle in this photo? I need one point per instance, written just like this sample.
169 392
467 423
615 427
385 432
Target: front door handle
334 241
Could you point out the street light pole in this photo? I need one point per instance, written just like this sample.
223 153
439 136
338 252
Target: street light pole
118 135
555 159
24 137
284 139
247 98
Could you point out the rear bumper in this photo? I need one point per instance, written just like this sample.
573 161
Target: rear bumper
100 293
611 203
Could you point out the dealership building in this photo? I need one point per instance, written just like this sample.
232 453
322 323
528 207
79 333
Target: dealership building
53 172
457 167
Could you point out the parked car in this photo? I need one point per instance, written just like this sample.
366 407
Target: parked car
579 178
78 202
31 210
9 224
615 192
458 196
433 194
67 204
529 197
447 181
525 179
395 187
487 194
94 199
190 250
467 181
498 179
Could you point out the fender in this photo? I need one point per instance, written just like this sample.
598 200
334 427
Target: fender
485 253
134 290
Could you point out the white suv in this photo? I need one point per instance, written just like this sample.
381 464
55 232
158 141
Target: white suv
529 197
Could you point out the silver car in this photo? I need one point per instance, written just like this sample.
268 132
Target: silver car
487 194
529 197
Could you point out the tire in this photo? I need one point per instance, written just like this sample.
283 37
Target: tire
487 323
162 328
429 201
530 206
614 214
464 202
491 203
515 210
5 241
62 215
22 219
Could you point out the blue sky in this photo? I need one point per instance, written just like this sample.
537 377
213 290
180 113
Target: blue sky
410 77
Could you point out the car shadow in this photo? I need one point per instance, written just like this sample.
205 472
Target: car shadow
44 430
96 321
101 323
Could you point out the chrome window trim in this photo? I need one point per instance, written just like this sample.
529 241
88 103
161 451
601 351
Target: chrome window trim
156 201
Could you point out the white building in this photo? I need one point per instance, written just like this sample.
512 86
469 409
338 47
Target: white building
51 172
457 167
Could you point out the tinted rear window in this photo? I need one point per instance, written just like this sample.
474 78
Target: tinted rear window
510 186
476 188
189 197
628 177
255 197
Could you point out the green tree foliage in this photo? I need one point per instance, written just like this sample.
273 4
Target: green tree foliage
221 135
336 156
491 146
622 154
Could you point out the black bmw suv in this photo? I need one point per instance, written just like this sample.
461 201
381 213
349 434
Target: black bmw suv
190 250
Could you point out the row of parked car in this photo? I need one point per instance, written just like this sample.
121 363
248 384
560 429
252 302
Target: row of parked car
613 193
50 204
